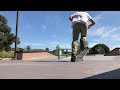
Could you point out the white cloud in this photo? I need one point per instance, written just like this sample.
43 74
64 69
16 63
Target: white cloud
111 32
116 37
96 40
98 31
105 33
51 45
98 17
65 45
37 44
25 43
54 44
91 44
33 44
114 46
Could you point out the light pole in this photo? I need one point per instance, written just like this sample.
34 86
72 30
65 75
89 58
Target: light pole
0 23
16 35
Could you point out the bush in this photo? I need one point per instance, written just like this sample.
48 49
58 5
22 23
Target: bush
100 49
9 54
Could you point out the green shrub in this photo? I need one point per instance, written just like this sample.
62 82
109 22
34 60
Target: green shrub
9 54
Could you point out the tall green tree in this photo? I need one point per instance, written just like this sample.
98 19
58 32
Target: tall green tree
47 49
100 49
57 50
6 37
28 48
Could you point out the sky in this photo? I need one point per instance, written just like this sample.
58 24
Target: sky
47 29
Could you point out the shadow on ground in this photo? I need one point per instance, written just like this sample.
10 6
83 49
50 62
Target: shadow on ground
51 61
114 74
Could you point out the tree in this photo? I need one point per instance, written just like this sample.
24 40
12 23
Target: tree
47 49
100 49
6 37
28 48
57 49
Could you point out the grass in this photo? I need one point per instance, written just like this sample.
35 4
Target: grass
9 54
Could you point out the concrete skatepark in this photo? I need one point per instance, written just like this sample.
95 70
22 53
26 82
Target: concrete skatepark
93 67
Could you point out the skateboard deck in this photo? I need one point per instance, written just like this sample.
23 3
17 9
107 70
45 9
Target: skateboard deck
81 55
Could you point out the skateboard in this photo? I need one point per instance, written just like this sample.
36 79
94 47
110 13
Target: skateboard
81 55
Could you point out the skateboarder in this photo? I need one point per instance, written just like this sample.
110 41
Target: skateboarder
79 24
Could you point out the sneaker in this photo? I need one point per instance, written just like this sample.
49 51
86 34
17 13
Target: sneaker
73 58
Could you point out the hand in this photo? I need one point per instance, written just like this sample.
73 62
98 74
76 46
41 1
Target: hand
89 26
70 18
92 23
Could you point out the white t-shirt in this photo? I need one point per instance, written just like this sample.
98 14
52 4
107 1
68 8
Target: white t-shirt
81 17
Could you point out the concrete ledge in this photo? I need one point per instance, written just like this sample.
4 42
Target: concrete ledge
33 55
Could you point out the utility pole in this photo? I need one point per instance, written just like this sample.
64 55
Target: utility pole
16 35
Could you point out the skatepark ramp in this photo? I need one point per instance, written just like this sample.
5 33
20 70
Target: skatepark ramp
113 52
34 55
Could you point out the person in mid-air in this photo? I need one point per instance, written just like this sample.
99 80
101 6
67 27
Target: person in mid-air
79 25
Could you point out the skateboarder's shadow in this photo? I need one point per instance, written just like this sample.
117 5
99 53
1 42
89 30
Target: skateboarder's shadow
114 74
51 61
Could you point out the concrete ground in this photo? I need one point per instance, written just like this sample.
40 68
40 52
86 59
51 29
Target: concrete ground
101 68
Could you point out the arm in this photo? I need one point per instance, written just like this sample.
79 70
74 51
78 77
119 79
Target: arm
71 18
92 23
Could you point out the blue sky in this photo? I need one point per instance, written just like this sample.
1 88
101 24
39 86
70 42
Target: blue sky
46 29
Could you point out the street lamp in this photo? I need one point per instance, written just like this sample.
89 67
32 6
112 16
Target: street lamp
16 35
